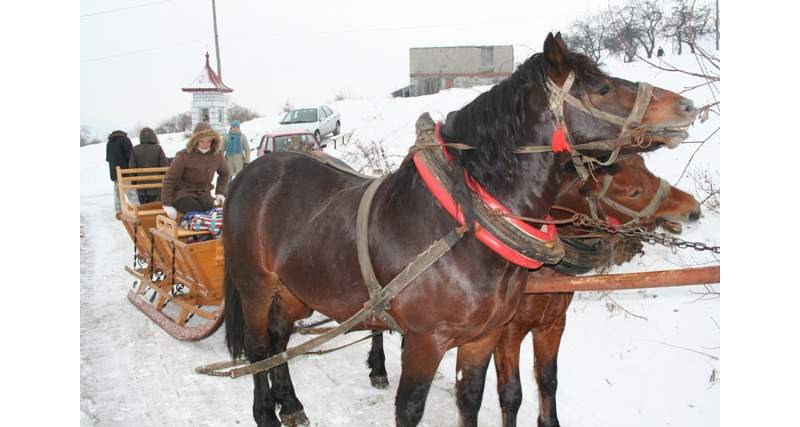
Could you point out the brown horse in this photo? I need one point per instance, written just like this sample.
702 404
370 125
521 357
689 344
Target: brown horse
628 184
290 229
627 192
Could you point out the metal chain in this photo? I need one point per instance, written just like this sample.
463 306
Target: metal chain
639 233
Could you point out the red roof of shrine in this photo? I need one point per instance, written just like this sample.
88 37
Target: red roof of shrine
207 81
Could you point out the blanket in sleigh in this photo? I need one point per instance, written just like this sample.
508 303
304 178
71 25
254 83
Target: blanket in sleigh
210 220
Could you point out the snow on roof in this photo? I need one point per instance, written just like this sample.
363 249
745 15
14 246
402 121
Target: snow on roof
207 81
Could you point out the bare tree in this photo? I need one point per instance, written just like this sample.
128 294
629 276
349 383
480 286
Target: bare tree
589 35
686 22
716 20
85 136
242 114
341 95
178 123
625 32
651 20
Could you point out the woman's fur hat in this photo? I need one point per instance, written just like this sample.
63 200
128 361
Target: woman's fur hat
203 130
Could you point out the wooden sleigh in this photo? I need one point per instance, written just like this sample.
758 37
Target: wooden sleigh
179 285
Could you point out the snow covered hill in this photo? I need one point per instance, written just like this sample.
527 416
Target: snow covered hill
629 358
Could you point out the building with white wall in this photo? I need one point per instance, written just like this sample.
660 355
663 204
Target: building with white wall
209 98
435 68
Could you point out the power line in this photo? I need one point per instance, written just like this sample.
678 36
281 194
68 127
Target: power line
281 35
134 52
124 8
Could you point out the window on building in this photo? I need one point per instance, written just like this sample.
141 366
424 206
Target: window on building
487 57
204 115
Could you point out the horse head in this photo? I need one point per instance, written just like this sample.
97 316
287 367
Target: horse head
594 105
556 89
631 193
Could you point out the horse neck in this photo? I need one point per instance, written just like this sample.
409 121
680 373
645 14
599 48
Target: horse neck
530 187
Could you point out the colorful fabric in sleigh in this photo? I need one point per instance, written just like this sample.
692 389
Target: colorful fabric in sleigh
210 220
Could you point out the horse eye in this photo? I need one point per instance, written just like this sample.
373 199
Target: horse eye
604 90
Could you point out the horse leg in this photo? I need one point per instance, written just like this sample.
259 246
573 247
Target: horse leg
284 311
546 341
256 347
421 357
376 360
506 363
471 363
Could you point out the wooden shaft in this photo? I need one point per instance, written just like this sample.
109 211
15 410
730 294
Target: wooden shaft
610 282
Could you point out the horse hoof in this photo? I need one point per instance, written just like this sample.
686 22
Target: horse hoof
379 382
293 420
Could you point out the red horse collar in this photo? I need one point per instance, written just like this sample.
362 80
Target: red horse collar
546 237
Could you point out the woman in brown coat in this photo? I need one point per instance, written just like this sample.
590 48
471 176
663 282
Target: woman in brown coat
148 154
187 184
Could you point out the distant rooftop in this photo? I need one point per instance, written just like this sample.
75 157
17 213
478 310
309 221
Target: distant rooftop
207 81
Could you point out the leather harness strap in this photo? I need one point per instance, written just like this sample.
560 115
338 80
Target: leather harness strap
411 272
649 210
365 263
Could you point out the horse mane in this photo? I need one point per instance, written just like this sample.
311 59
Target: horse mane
495 123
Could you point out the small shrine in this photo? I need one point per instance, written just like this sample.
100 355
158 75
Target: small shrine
209 98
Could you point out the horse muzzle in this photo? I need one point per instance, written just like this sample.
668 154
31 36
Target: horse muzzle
671 136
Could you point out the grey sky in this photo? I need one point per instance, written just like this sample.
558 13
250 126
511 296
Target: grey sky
134 61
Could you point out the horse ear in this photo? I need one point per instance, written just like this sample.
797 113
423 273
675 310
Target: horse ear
555 52
561 42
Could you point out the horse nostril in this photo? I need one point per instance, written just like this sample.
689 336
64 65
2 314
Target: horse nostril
694 215
687 106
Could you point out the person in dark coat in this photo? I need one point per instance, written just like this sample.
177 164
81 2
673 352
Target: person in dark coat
660 52
187 184
148 154
118 151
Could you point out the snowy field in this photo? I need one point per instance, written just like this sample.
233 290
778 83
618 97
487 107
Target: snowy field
629 358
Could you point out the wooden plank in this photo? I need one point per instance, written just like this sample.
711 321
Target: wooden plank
150 212
159 177
141 170
140 186
610 282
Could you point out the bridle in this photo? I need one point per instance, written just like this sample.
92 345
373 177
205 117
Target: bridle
595 200
629 125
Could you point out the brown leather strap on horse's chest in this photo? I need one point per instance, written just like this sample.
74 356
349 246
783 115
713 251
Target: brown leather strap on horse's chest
364 261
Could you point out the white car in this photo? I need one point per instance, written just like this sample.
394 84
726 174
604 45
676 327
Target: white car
320 121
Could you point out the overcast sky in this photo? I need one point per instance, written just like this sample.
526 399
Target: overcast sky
134 61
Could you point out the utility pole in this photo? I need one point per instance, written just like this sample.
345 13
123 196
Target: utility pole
216 38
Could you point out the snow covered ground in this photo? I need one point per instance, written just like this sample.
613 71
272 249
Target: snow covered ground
629 358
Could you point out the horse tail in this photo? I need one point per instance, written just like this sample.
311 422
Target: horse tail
234 318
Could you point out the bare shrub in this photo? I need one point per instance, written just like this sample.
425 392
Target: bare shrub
369 158
707 188
242 114
341 95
